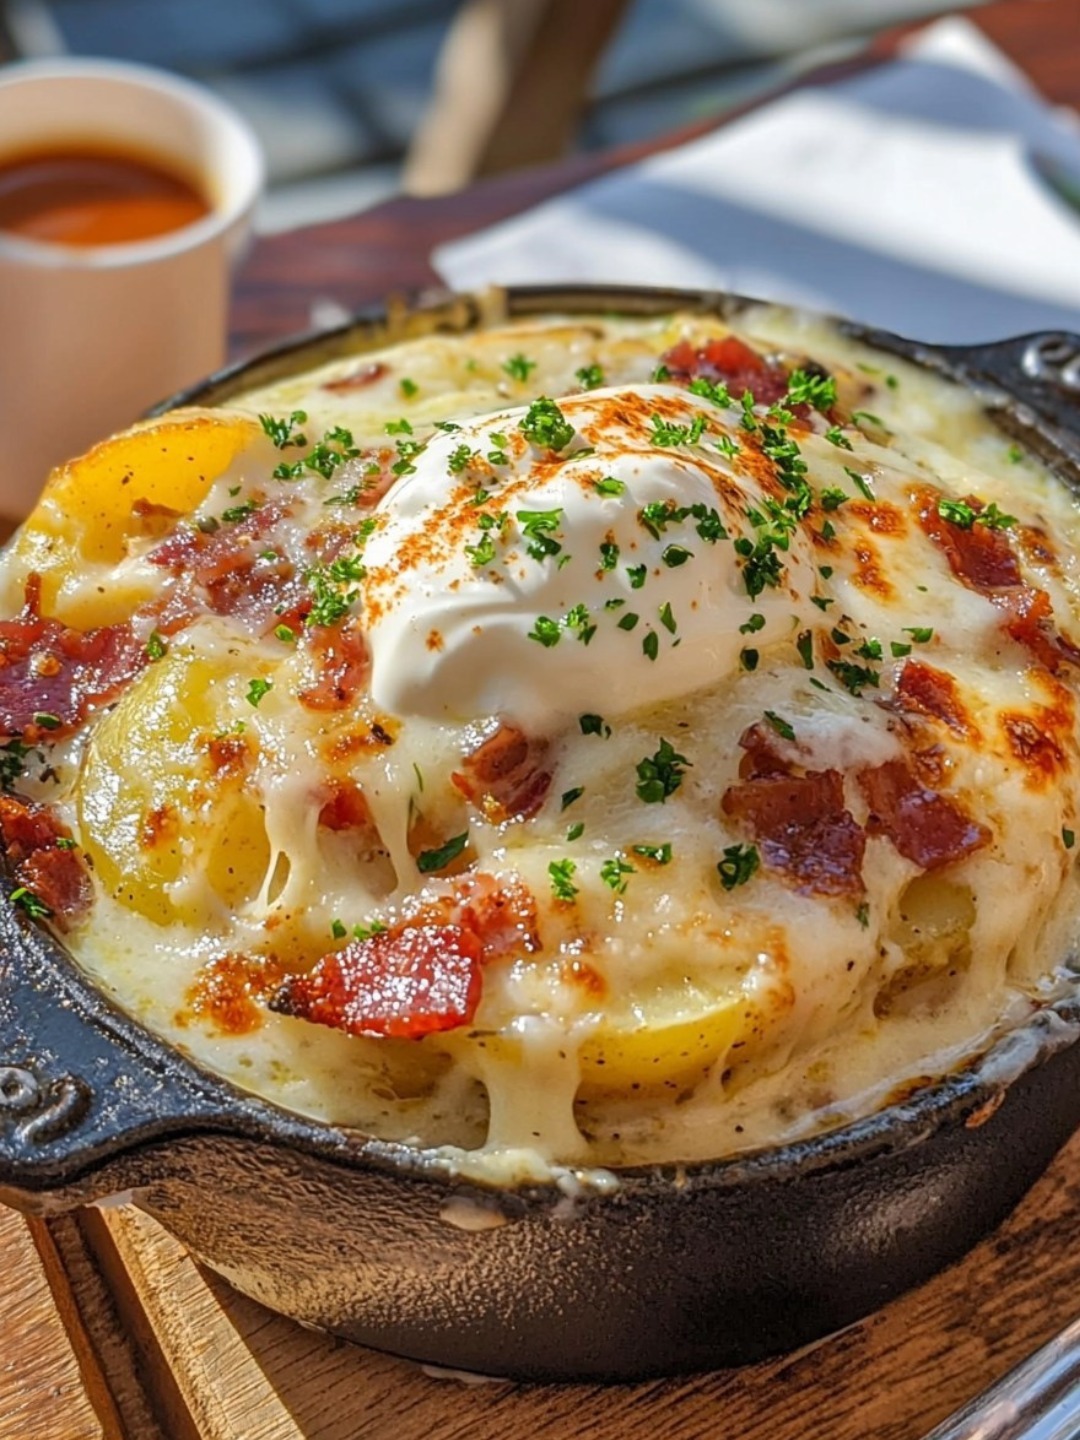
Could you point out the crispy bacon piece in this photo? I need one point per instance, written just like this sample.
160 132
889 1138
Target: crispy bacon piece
731 361
763 755
924 825
50 669
504 775
981 557
346 809
222 571
55 874
343 665
803 829
404 983
925 690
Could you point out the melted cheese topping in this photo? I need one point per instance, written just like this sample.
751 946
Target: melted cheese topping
736 735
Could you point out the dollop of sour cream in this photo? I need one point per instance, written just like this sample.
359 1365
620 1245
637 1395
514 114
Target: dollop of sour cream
505 576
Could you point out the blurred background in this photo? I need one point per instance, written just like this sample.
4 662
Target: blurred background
356 100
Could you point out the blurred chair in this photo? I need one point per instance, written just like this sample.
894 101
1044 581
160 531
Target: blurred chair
511 84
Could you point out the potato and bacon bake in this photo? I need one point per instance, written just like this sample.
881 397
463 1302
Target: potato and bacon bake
576 743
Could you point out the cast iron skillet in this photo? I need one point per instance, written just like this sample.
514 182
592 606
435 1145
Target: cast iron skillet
679 1267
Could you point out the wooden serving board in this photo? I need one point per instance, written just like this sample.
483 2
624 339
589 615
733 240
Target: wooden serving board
110 1331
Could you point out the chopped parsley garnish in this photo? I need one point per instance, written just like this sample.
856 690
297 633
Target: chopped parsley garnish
569 796
858 415
628 621
347 497
956 513
30 903
256 690
429 861
666 434
609 555
519 368
898 649
854 678
562 885
579 620
650 646
609 485
322 459
738 865
281 431
546 631
482 553
398 427
285 633
762 564
660 375
545 425
594 725
637 575
727 446
921 634
408 387
590 377
657 515
1014 454
613 873
407 452
869 649
459 458
1068 837
46 720
861 481
667 617
675 555
710 390
365 932
780 725
337 930
575 832
804 643
862 914
748 658
994 519
836 436
755 623
833 498
156 646
537 526
660 774
239 512
660 854
12 763
806 388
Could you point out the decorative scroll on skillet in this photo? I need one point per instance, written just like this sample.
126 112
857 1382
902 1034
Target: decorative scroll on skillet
575 742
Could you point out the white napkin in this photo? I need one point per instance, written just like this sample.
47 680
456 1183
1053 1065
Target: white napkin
905 197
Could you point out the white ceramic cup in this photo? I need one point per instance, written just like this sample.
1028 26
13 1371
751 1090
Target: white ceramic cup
90 336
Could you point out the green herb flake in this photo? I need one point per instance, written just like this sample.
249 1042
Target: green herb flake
545 425
921 634
740 862
428 862
956 513
1068 837
285 633
589 377
575 832
755 623
995 519
835 436
561 873
518 367
546 632
675 555
785 730
408 387
870 419
660 375
156 646
569 796
806 388
398 427
609 485
613 873
281 432
30 903
660 774
337 930
862 914
854 678
833 498
667 435
748 658
659 854
460 458
46 720
861 481
650 646
256 690
898 649
1014 454
594 725
628 621
667 618
637 575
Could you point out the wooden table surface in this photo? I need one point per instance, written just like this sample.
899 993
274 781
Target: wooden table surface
112 1332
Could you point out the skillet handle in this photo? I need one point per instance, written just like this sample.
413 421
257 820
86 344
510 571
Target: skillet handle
80 1084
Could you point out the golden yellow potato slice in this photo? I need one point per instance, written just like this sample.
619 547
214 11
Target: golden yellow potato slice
164 811
89 508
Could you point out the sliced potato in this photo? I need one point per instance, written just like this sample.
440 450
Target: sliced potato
165 811
89 508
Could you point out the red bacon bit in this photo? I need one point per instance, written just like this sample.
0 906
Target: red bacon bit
406 984
803 829
925 690
1031 740
50 669
56 875
503 775
733 362
343 664
763 755
346 808
1030 622
359 379
981 557
501 913
925 826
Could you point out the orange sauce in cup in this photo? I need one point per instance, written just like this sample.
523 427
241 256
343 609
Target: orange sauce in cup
73 196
